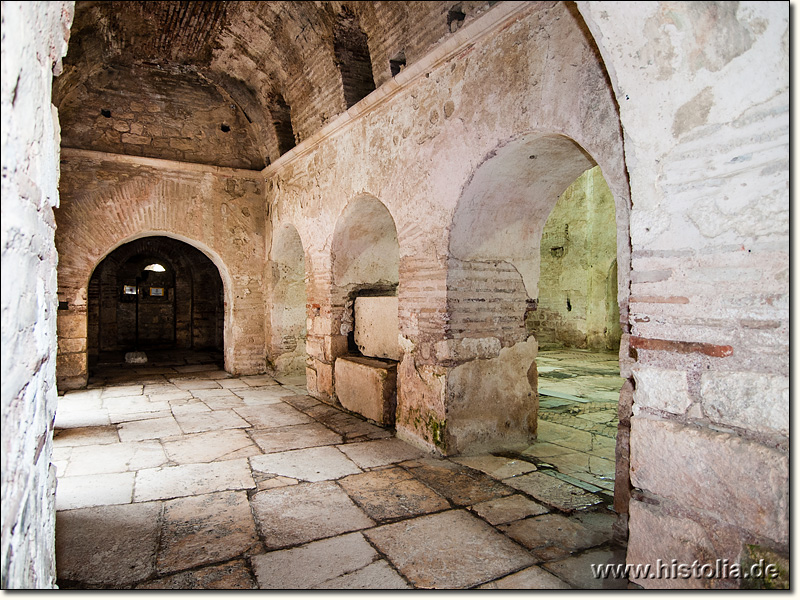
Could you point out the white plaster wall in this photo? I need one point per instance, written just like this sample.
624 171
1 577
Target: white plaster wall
703 90
34 40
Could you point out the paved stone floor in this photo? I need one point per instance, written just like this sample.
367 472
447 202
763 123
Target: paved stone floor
578 397
176 475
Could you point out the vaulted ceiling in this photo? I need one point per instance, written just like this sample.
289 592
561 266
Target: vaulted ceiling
233 83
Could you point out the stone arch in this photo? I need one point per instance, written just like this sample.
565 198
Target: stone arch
73 331
192 316
492 284
365 256
289 301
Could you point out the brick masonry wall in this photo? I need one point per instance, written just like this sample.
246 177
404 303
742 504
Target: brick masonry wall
704 100
34 40
218 211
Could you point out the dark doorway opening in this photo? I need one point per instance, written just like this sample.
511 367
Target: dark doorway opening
159 296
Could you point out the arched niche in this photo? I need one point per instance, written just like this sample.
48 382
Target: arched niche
288 306
493 285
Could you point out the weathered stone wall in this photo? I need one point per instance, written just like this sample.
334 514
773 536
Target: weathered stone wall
35 38
145 111
703 90
108 200
577 304
416 148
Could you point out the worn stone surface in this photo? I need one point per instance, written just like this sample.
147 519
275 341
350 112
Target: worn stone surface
577 570
567 534
305 512
228 576
273 415
389 494
378 453
554 492
376 326
376 576
448 550
706 470
310 464
192 479
281 439
94 490
510 508
532 578
210 446
115 458
458 484
496 466
206 529
368 387
313 564
111 545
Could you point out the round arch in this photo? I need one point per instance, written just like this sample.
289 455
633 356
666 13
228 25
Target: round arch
288 306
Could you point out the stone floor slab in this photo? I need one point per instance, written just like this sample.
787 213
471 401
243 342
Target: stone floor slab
377 576
302 513
310 464
551 532
459 484
210 446
532 578
508 509
270 416
86 436
115 458
190 480
94 490
313 564
294 437
149 429
206 529
448 550
234 575
577 570
392 493
122 390
74 419
111 545
194 384
378 453
496 466
554 492
214 420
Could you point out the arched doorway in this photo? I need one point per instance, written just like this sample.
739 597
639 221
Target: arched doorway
159 296
494 287
576 324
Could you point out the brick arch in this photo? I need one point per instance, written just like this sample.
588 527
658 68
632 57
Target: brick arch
207 209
